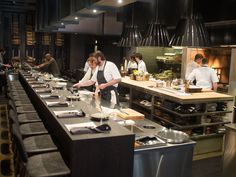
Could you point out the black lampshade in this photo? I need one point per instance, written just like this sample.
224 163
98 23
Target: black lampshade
131 37
156 35
190 32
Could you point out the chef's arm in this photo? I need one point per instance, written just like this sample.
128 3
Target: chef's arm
84 84
215 86
110 83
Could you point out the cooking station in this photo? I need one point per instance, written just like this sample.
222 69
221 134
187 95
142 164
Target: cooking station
108 154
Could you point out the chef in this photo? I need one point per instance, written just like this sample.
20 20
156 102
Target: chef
205 76
107 76
92 66
194 64
141 64
132 65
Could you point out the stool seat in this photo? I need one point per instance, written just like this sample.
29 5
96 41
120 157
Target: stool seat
47 164
22 103
25 109
28 118
39 144
36 128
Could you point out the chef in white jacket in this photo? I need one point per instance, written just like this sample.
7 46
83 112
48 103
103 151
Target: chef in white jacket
205 76
141 64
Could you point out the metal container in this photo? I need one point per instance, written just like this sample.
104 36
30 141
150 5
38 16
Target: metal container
173 136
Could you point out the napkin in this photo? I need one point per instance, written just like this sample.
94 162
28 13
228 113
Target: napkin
43 90
69 113
50 96
57 104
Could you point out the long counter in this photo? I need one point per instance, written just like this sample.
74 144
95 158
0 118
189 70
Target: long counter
169 107
108 154
168 93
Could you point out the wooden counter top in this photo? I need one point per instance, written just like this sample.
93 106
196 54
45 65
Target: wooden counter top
149 87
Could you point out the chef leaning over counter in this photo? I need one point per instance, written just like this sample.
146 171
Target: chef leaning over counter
107 77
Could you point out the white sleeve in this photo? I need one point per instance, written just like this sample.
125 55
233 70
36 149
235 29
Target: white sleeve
142 67
115 73
86 67
87 75
214 77
191 76
94 78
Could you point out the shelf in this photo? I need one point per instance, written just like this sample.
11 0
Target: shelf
136 102
182 127
167 121
193 114
204 136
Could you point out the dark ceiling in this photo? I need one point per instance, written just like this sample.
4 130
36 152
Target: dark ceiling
219 15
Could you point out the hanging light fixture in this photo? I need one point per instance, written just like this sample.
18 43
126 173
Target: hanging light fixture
131 36
190 30
157 34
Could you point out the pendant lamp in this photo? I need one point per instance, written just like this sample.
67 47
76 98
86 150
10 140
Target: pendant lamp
156 34
131 36
190 30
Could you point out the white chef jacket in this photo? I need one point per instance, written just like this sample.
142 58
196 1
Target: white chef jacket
142 67
190 67
110 72
88 74
205 77
86 67
132 65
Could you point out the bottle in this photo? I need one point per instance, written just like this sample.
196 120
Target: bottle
186 87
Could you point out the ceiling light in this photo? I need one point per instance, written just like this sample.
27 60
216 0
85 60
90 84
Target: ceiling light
76 18
94 11
120 1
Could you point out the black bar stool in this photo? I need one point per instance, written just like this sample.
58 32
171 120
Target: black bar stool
42 165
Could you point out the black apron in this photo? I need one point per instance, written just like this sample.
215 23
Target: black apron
91 88
106 93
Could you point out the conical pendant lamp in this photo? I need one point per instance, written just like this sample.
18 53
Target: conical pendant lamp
157 34
131 36
190 31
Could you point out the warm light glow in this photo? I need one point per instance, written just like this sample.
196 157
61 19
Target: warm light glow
136 35
94 11
120 1
76 18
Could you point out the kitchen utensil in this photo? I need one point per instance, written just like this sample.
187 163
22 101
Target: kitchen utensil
173 136
99 116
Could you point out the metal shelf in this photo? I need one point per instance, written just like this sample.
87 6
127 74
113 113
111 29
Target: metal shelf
136 102
193 114
182 127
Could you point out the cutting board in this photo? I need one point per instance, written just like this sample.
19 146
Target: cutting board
130 114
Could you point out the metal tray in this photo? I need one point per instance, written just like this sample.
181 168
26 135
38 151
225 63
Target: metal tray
173 136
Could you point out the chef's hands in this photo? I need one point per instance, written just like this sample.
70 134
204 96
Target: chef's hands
102 86
78 85
7 65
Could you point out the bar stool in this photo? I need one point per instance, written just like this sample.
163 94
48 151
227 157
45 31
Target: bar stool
22 103
36 144
25 109
46 164
27 129
25 118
